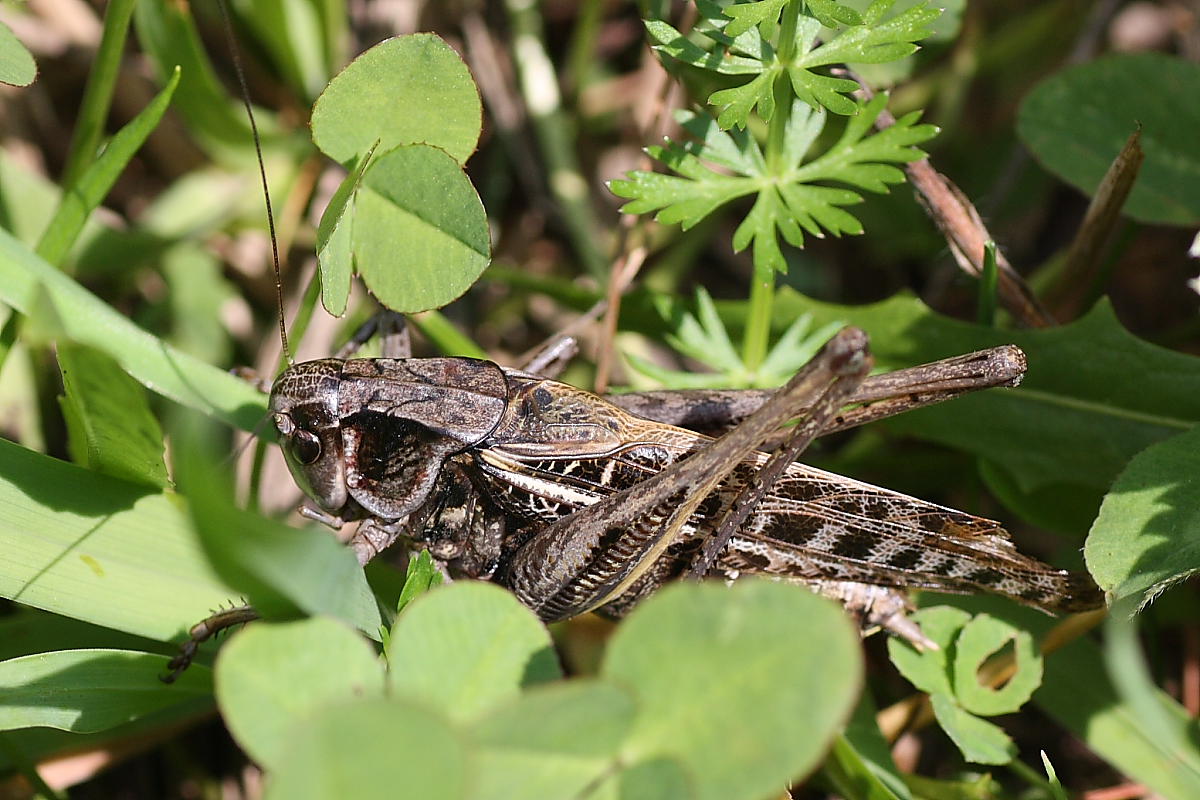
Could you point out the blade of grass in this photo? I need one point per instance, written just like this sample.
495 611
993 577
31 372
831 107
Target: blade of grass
87 690
93 185
987 286
539 88
99 549
25 766
1122 721
158 366
448 338
97 95
8 336
1084 273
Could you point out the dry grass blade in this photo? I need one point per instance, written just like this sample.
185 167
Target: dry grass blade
959 221
963 227
1076 285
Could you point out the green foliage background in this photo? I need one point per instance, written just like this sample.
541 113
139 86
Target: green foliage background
498 203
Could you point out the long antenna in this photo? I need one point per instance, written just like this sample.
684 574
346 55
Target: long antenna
262 173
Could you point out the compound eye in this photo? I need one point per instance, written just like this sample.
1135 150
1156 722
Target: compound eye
306 447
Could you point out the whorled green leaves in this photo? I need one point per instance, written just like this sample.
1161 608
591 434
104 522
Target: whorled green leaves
779 59
744 39
942 31
793 194
875 41
702 337
749 15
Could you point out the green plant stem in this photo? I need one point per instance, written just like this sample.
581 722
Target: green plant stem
757 337
1030 776
449 339
987 286
254 495
97 96
9 746
539 89
88 320
777 132
8 335
581 56
98 177
562 290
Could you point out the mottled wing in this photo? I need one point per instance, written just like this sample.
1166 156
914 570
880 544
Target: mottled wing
813 526
585 559
846 530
